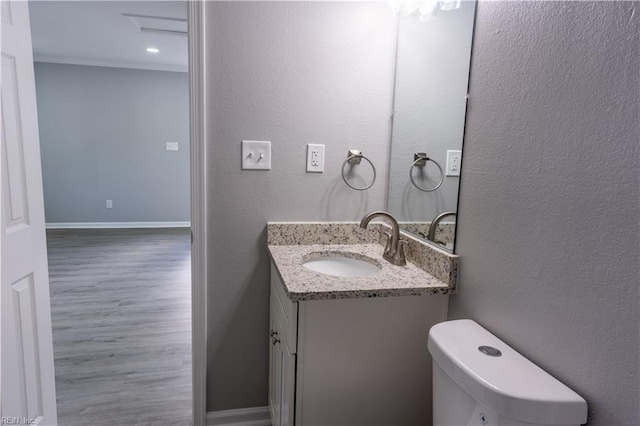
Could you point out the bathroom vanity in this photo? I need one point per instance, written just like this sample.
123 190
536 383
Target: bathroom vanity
348 350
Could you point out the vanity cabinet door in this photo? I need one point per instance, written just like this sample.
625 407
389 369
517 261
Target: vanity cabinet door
282 372
275 368
287 311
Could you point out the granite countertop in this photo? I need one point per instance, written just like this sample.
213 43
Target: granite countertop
301 283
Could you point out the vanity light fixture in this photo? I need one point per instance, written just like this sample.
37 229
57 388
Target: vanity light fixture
153 50
426 10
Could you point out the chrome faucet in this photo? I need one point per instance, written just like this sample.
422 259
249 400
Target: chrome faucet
434 224
395 249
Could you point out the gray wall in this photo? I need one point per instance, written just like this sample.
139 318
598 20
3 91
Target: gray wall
431 84
102 136
292 73
548 228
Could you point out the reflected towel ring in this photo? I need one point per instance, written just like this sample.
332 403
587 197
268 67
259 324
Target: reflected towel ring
420 160
354 157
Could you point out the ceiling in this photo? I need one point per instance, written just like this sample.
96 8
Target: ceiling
96 33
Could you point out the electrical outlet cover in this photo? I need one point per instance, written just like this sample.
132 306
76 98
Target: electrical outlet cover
454 162
315 158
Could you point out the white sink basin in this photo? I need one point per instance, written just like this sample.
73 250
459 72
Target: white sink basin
342 265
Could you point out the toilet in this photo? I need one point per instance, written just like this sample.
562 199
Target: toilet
479 380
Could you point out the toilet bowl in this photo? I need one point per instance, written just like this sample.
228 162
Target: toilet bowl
479 380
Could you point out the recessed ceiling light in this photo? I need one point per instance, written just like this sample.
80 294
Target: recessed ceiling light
153 50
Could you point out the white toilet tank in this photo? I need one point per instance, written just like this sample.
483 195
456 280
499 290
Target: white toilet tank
480 380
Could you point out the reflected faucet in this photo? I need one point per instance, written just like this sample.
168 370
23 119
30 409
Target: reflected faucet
434 224
394 251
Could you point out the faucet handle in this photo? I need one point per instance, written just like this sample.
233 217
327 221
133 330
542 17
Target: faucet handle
401 253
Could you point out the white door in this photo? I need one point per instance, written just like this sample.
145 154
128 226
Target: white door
28 383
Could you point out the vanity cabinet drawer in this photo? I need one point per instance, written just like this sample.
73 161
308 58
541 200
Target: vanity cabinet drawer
287 311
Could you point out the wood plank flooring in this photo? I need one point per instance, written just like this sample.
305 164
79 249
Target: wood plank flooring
121 314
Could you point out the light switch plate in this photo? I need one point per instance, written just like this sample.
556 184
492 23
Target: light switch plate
256 155
172 146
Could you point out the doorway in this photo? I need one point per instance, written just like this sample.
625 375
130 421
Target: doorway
117 282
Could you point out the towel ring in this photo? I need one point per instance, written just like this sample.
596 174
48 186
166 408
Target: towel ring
354 157
420 160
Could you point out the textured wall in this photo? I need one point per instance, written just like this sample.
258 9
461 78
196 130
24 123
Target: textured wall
292 73
431 84
102 136
548 228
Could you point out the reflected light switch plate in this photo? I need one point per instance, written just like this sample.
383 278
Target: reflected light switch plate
172 146
256 155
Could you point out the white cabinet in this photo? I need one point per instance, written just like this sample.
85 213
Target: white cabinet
360 361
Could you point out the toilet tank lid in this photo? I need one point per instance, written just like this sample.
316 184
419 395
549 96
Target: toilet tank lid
509 384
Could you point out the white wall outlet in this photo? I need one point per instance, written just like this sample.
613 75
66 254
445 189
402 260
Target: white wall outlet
109 204
172 146
315 158
256 155
454 162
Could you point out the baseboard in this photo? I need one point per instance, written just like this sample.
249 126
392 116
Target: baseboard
116 225
258 416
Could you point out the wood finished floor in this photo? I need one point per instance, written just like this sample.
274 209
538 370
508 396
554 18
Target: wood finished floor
121 315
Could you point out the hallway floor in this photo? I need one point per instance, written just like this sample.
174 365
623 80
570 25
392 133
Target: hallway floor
121 314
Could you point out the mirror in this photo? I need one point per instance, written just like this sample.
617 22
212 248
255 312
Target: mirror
432 74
